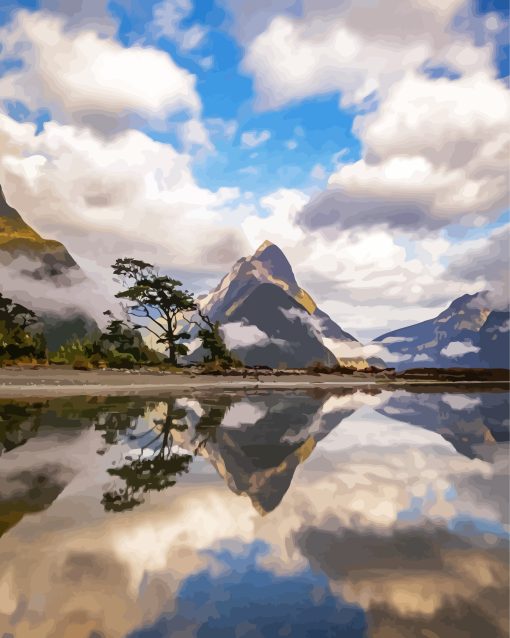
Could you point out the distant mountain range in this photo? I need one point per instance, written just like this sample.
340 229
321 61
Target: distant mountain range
39 273
266 317
467 334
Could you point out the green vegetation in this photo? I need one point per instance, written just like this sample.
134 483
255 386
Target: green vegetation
119 346
158 300
167 311
20 340
164 309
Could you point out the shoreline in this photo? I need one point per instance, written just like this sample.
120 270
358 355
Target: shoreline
48 382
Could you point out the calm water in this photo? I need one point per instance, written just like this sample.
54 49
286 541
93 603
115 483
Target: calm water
260 514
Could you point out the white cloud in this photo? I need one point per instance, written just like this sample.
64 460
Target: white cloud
389 340
225 129
250 139
82 77
484 262
333 47
414 175
458 349
504 327
167 21
460 402
291 144
238 335
125 195
420 358
194 133
207 62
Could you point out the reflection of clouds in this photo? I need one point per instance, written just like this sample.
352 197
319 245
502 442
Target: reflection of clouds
461 401
113 558
378 497
241 413
414 571
377 506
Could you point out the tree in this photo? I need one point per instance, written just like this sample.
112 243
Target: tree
158 299
209 334
16 315
17 336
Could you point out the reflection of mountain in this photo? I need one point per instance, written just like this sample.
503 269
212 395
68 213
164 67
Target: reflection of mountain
34 487
37 269
268 318
467 334
28 492
263 438
467 422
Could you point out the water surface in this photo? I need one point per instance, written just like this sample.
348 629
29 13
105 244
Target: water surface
356 512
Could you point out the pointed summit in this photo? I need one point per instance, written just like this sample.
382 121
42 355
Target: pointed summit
265 244
275 265
268 319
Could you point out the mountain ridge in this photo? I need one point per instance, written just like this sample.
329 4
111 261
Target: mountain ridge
38 272
468 333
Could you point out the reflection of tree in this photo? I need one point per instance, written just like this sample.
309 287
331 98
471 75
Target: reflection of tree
211 419
18 423
114 424
155 473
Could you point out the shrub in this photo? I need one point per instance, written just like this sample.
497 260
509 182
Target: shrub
121 360
81 363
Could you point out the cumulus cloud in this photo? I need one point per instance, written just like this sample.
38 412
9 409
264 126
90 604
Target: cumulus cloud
485 261
124 195
458 349
332 47
414 175
434 150
85 78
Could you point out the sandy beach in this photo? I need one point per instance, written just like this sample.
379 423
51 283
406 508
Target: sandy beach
53 382
19 382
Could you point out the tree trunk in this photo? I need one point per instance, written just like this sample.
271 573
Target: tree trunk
172 357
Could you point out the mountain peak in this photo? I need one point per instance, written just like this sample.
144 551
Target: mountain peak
274 263
265 244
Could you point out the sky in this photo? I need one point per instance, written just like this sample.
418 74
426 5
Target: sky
368 139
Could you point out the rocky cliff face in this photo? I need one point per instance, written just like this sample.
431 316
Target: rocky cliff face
268 319
41 274
469 333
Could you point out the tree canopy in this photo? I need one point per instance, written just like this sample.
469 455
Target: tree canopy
18 336
159 300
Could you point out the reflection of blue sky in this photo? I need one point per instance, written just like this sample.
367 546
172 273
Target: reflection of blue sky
239 599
